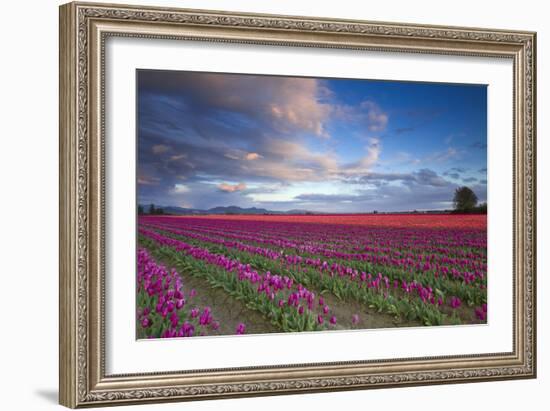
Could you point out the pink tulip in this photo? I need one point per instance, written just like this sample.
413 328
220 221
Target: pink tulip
241 328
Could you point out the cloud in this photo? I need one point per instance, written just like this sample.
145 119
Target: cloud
180 189
311 197
160 148
429 177
177 157
424 176
408 195
291 161
288 104
231 188
238 155
252 156
233 155
367 114
454 172
443 156
377 119
458 169
224 125
367 162
403 158
147 180
469 179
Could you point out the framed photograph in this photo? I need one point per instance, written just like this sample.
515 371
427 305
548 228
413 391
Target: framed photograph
259 204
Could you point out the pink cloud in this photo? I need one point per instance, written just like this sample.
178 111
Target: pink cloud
146 180
376 118
231 188
252 156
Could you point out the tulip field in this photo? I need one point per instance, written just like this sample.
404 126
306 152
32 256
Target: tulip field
252 274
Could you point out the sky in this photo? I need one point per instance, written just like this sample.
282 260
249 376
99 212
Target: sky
319 144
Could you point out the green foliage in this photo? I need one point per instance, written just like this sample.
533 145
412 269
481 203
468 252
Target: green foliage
286 318
311 278
464 199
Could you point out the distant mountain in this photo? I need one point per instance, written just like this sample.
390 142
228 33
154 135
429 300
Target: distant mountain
221 210
239 210
178 210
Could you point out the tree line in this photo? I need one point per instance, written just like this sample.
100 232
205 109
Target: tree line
152 210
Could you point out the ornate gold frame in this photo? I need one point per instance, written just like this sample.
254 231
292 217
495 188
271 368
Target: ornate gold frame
83 30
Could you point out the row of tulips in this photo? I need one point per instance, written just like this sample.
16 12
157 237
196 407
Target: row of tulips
414 257
409 300
287 304
445 266
340 271
164 310
416 245
339 235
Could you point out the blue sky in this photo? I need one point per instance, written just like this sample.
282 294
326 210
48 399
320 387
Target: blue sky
328 145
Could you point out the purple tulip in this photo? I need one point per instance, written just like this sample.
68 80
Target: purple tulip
333 320
320 319
174 320
241 328
355 319
455 302
206 317
187 330
170 306
480 314
146 322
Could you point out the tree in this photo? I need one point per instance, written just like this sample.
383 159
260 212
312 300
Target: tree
152 210
465 199
482 208
140 209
